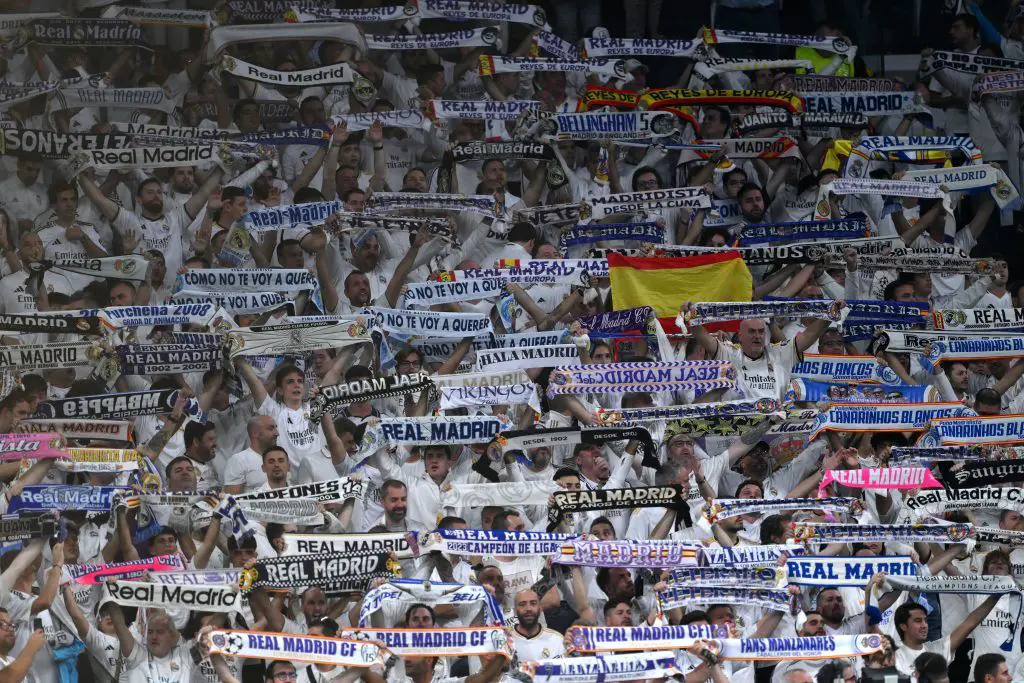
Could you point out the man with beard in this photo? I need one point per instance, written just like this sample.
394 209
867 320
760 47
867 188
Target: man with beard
245 470
752 203
394 497
68 238
531 640
814 625
16 668
595 473
358 284
151 228
17 295
180 187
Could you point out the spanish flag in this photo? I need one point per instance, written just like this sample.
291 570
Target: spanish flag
665 282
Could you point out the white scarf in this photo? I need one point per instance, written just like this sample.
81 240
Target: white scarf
332 74
487 36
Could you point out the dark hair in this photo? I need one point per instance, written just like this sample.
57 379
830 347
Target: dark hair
612 604
970 21
693 617
772 527
522 232
446 522
756 482
284 244
988 396
271 668
565 472
428 71
708 233
284 371
889 293
231 192
987 665
147 181
902 615
602 520
175 461
747 187
728 174
14 398
391 484
500 520
57 186
305 195
645 169
416 606
930 666
32 384
272 449
236 111
197 430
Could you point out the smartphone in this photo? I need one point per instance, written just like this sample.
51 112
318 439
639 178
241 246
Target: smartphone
194 651
37 624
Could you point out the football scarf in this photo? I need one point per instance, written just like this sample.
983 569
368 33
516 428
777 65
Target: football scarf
868 103
966 431
49 356
675 97
167 358
148 157
658 413
431 323
203 315
724 508
836 45
245 303
919 455
823 534
609 67
343 221
96 574
973 349
712 312
536 271
556 214
482 379
246 280
14 528
634 377
220 599
159 16
509 394
766 598
488 110
425 431
439 642
328 399
891 188
852 572
31 447
396 118
759 577
92 33
295 338
431 593
500 360
532 15
612 232
477 542
930 504
341 652
917 341
814 392
741 148
766 233
384 202
1000 83
44 144
108 430
632 125
347 544
746 556
610 499
615 322
900 478
967 63
371 15
595 208
292 216
109 460
716 425
979 319
818 83
56 324
475 37
329 491
972 475
115 406
855 369
638 47
633 666
88 498
504 149
614 638
885 417
507 494
628 553
335 573
979 176
799 648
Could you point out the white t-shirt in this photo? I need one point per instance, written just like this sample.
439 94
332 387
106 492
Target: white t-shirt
57 247
245 468
166 234
544 645
905 656
765 377
14 297
142 667
299 437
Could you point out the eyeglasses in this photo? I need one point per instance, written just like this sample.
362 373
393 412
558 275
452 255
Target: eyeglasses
286 676
411 364
6 625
